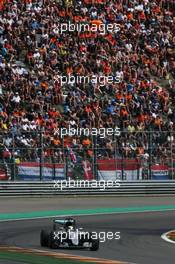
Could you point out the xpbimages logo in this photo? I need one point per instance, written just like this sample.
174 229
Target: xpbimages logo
100 27
101 80
77 234
101 132
64 184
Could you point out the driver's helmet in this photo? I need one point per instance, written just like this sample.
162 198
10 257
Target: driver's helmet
70 224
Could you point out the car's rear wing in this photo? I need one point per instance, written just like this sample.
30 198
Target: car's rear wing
63 221
59 221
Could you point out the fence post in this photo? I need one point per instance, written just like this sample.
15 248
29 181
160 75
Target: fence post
122 163
150 152
65 157
115 158
67 161
13 174
53 165
172 163
94 139
41 154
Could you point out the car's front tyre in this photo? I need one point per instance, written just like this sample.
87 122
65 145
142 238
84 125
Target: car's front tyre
44 238
94 244
52 242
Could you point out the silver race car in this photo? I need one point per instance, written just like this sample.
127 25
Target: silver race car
65 234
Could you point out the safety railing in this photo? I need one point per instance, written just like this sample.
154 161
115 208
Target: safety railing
53 188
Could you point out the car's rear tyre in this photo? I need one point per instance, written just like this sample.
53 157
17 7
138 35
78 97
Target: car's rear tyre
44 237
52 241
95 244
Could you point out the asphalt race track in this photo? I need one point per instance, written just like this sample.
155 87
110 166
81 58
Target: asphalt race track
140 236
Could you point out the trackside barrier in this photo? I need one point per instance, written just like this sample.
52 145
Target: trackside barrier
126 188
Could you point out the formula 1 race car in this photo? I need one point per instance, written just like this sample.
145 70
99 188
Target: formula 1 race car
65 234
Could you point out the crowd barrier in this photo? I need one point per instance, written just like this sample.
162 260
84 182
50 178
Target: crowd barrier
126 188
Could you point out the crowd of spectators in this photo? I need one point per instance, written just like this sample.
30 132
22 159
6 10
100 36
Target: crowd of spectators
34 54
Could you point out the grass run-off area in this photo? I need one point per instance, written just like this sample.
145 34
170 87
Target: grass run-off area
35 259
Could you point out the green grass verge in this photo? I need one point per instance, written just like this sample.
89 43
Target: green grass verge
77 212
35 259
